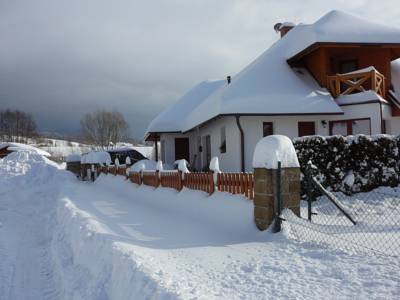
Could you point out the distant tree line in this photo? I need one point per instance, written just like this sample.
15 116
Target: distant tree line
104 128
16 126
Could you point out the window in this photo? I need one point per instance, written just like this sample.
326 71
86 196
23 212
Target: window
268 128
346 66
199 148
222 147
350 127
306 128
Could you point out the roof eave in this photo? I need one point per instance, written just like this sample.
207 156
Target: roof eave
293 59
263 114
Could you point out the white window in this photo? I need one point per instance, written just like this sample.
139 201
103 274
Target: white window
350 127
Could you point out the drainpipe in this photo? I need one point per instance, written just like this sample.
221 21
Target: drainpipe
156 146
241 142
381 115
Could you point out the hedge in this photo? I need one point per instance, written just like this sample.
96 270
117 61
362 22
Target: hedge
351 164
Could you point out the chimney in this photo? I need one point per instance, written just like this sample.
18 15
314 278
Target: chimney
283 28
228 79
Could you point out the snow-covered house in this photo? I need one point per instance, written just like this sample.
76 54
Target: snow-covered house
335 76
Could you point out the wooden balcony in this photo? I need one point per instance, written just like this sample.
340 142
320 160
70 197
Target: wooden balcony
357 81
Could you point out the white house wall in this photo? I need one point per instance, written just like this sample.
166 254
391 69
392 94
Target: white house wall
253 132
392 123
228 161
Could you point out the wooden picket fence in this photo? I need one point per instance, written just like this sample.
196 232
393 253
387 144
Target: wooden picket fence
121 171
236 183
151 178
233 183
171 179
200 181
135 178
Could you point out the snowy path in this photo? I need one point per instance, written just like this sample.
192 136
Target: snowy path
65 239
27 210
26 249
196 247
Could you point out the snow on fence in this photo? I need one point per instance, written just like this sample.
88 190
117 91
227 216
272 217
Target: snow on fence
234 183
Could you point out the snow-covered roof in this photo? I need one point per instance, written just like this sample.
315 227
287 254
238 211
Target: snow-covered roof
269 86
361 97
171 119
11 146
340 27
96 157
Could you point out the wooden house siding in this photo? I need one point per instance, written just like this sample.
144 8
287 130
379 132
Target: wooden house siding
324 61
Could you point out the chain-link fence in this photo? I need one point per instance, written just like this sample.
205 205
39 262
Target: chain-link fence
367 222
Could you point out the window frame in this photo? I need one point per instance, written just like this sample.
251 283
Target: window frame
304 122
349 124
222 147
263 128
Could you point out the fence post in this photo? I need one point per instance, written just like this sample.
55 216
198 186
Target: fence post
275 187
310 194
278 198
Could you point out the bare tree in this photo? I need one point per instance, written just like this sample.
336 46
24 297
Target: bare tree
16 125
104 128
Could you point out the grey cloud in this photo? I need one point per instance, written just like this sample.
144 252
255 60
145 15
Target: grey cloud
60 59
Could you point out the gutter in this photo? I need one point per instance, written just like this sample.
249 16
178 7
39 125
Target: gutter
237 117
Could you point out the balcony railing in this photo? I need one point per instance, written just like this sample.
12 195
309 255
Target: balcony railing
357 81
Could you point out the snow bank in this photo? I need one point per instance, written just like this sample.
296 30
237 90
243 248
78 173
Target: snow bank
61 238
272 149
23 147
166 245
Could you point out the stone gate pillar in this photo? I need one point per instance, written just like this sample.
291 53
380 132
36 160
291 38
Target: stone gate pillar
268 152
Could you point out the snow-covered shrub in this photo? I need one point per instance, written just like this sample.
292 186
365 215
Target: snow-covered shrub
351 164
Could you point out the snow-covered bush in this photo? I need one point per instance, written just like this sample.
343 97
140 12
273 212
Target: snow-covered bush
351 164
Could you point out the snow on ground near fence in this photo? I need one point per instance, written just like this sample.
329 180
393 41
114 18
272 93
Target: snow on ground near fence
377 217
65 239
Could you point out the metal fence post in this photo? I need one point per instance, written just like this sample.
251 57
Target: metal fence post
310 195
278 220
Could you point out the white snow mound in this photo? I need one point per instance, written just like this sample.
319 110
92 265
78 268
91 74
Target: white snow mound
272 149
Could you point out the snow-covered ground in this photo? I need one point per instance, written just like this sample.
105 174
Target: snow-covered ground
65 239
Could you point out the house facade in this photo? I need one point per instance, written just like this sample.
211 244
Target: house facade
338 75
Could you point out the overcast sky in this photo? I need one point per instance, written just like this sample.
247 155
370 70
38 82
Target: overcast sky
62 58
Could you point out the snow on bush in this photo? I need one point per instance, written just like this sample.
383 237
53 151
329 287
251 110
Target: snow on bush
274 148
351 164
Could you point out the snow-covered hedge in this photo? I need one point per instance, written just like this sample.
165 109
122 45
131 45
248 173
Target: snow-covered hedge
351 164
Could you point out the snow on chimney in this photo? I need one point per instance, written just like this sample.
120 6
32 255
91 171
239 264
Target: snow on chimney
283 28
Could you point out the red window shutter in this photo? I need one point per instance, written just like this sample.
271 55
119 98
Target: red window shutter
306 128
